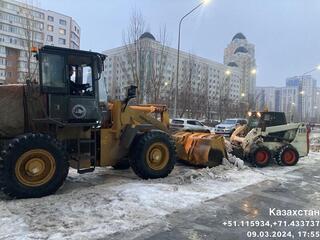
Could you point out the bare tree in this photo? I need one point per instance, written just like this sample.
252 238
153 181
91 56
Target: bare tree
200 104
156 63
29 32
134 51
147 60
186 94
224 97
168 91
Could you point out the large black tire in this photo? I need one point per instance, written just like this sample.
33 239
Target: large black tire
260 156
123 164
144 151
287 156
32 166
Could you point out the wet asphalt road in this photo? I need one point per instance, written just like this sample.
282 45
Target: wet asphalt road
299 191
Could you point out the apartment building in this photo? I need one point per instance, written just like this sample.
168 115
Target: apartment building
195 73
23 26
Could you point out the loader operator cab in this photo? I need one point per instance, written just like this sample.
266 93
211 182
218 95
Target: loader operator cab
69 78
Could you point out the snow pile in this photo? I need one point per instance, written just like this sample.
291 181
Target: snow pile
315 141
239 163
107 202
189 176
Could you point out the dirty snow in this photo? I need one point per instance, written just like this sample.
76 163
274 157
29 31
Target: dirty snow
96 205
315 140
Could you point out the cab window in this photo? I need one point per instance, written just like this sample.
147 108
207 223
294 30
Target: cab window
81 81
53 72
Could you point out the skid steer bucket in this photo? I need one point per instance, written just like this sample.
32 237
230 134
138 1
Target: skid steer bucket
200 149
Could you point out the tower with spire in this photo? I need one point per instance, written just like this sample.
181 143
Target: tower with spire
240 54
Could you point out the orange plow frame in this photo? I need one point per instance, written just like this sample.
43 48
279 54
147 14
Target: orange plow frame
202 149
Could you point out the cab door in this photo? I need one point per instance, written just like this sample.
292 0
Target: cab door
83 101
52 68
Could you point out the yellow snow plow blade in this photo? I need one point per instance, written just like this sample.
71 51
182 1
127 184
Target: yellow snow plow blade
201 149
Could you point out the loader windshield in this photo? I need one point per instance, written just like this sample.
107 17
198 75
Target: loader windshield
53 72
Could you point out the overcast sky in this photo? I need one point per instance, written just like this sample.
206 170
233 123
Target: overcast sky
286 33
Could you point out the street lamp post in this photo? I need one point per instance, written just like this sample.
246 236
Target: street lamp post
292 111
178 55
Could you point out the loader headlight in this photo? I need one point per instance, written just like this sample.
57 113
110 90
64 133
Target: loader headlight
249 114
258 114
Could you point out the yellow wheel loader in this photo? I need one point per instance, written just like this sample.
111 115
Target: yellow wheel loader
47 127
268 137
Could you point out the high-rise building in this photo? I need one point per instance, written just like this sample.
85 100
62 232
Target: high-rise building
307 87
241 54
266 98
299 99
211 79
289 102
317 106
23 26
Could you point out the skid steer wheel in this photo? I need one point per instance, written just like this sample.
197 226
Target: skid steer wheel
287 156
153 155
33 165
260 156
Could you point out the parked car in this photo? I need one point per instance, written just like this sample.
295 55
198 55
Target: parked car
229 125
184 124
210 123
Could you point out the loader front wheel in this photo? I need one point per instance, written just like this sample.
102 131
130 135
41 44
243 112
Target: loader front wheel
34 165
260 156
153 155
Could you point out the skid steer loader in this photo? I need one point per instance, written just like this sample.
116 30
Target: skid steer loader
47 127
267 137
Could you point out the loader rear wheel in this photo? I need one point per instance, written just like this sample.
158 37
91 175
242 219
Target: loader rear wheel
153 155
34 165
287 156
260 156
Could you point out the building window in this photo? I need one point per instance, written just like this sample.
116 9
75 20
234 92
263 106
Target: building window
62 41
50 18
50 28
62 31
63 22
50 38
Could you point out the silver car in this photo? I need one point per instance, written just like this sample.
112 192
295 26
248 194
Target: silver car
228 126
184 124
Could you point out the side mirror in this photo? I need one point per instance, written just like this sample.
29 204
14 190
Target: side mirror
98 67
132 92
